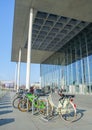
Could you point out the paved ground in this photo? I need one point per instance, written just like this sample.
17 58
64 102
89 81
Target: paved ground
13 119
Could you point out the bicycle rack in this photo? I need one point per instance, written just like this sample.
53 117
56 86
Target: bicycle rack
33 112
46 118
33 106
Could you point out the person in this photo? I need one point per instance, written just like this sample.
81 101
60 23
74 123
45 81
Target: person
31 90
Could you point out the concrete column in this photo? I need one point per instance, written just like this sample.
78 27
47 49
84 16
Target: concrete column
29 49
18 71
16 68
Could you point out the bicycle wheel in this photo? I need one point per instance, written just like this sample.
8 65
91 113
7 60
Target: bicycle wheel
23 106
69 112
15 102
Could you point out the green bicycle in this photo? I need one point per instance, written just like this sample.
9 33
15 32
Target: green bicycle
32 101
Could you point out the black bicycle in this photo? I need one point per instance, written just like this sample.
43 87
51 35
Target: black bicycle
18 96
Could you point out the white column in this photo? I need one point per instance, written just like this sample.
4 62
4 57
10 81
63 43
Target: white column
29 50
16 68
18 72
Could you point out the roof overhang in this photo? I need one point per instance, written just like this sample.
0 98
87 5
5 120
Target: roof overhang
75 13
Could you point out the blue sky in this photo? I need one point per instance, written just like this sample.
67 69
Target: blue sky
7 68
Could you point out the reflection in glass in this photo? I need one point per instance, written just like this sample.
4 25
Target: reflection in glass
70 67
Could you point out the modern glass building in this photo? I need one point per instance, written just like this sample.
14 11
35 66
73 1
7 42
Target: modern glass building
70 66
58 36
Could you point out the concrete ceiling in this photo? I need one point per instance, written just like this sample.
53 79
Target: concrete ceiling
55 23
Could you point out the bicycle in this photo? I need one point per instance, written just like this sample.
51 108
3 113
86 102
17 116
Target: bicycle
34 103
66 109
17 97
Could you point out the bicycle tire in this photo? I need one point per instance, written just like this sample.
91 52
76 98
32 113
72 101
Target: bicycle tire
69 112
15 102
22 105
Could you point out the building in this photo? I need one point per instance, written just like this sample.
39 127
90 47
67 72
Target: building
6 84
56 34
70 66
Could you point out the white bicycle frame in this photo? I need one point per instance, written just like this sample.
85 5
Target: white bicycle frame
61 107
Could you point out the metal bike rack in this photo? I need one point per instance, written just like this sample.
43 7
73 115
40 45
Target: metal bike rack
46 98
33 106
45 118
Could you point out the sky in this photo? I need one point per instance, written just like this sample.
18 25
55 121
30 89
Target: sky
7 67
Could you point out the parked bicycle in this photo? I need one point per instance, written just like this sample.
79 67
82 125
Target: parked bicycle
32 101
17 97
66 109
43 104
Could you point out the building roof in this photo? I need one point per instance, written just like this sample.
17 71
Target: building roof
55 23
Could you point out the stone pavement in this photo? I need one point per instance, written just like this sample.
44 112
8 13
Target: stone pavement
13 119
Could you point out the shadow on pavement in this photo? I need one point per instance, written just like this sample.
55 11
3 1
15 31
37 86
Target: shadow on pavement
6 121
5 112
1 107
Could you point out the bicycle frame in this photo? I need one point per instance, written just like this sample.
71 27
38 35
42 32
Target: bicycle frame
62 105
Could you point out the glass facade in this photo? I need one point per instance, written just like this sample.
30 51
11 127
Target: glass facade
70 66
